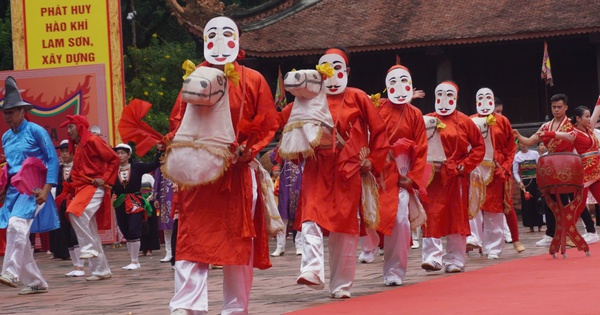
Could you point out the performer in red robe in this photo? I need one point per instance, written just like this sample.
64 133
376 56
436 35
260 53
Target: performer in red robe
403 122
447 206
329 199
94 171
488 224
560 123
222 222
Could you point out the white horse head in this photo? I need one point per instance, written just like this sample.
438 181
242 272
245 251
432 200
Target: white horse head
486 168
310 121
199 152
435 149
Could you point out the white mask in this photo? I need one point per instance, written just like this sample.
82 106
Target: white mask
338 82
485 101
399 86
221 41
446 96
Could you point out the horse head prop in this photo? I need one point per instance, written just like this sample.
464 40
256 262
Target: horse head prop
310 122
200 150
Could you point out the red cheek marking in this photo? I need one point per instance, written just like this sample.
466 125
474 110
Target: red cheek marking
490 103
340 75
231 44
438 101
392 90
210 45
407 88
451 102
479 104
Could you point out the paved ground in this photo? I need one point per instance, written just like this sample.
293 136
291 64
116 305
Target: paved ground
148 290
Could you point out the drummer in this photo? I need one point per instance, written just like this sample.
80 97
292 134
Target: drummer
560 123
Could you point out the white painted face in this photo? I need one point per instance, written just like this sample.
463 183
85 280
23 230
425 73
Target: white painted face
338 82
485 101
221 41
445 99
399 86
303 83
205 86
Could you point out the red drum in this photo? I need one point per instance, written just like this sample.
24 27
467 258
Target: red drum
559 173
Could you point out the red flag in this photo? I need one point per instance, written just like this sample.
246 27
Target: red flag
546 69
280 99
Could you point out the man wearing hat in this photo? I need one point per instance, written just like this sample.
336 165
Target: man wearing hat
22 212
94 171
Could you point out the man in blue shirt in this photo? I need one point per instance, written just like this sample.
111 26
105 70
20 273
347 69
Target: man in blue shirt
22 212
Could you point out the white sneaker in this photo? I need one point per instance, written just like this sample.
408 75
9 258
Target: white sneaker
544 242
415 244
591 238
132 266
311 280
492 256
166 259
341 294
381 252
392 282
75 273
367 257
278 252
180 311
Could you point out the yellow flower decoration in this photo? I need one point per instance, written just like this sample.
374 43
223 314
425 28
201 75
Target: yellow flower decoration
490 120
154 35
163 79
161 93
231 74
375 99
168 56
325 70
440 125
146 93
189 67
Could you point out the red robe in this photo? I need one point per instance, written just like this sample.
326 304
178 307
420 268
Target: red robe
402 121
327 197
504 154
447 207
93 159
215 222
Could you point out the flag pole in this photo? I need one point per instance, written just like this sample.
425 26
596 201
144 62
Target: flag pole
546 102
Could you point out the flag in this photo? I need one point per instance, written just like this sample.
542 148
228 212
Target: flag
280 99
546 69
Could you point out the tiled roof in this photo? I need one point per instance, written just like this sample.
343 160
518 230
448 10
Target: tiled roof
370 25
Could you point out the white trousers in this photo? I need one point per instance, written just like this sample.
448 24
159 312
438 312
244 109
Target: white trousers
455 250
397 245
191 281
342 256
86 229
476 225
493 233
370 241
18 256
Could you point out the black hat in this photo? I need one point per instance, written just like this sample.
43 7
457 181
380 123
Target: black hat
12 97
63 145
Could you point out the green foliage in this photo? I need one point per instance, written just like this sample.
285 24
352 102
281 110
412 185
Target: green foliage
154 74
6 59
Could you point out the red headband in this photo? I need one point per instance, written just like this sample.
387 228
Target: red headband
82 125
451 83
398 67
338 52
76 120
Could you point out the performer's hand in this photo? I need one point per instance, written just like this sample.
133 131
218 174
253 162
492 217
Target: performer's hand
243 156
160 147
156 204
405 182
516 134
460 168
418 94
98 182
42 194
366 166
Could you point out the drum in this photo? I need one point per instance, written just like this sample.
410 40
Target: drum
559 173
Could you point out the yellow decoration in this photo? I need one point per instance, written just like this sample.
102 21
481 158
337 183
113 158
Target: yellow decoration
375 99
325 69
189 67
440 125
490 120
231 74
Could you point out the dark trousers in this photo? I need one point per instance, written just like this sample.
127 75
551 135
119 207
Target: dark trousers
129 224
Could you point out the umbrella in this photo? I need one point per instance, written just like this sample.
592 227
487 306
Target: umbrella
133 128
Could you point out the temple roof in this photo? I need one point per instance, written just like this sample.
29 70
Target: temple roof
308 27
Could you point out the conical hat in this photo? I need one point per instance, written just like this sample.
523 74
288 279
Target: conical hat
12 97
